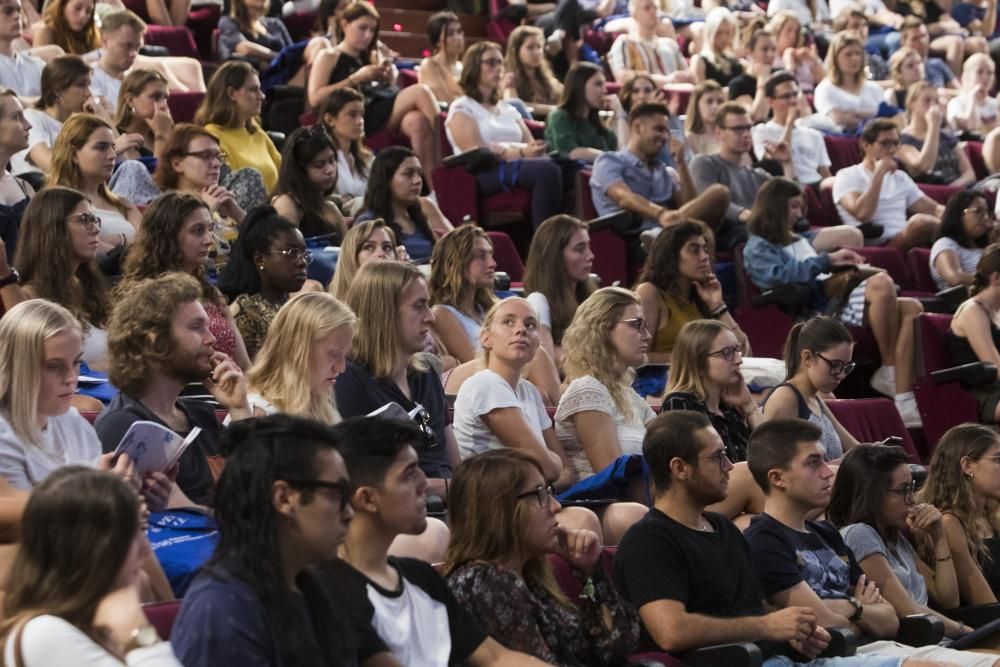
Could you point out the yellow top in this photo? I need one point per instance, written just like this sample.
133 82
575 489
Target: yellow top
677 314
244 149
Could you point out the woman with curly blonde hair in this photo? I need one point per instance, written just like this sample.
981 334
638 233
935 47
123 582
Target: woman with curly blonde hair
461 284
963 482
176 235
532 80
600 417
83 158
309 339
371 240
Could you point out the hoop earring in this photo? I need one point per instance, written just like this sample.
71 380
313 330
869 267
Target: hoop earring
261 267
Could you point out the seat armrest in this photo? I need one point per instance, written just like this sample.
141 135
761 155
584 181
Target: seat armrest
975 615
843 643
788 295
954 295
976 373
920 630
501 281
737 654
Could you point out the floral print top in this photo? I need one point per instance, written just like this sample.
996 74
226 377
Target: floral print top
525 617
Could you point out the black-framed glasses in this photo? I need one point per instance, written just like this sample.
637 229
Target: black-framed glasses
787 96
295 254
492 62
905 491
837 367
341 487
637 323
720 458
728 353
423 420
543 495
88 221
207 155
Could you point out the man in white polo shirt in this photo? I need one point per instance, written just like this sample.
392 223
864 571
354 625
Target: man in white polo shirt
878 191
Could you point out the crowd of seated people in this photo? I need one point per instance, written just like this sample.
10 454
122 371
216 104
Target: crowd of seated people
297 332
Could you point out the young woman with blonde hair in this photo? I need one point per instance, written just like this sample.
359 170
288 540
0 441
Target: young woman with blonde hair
83 158
305 350
716 60
705 377
699 121
974 110
963 482
530 78
906 67
845 96
504 525
371 240
929 149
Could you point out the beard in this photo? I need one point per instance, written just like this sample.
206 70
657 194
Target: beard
188 366
705 492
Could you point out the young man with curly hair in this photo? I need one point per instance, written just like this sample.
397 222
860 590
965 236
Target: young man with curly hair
158 342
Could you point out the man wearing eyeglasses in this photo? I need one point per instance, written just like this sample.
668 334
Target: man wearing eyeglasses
731 167
404 599
878 191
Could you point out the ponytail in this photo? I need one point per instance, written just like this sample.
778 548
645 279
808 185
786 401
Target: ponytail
818 335
792 354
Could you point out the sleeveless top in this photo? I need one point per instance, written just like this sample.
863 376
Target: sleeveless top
946 168
831 441
379 98
678 315
958 346
10 221
990 567
720 75
470 326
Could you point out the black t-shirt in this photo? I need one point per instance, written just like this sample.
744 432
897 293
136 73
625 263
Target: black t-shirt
783 556
731 425
744 84
358 393
421 623
194 476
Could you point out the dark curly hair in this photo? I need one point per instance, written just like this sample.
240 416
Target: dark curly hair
662 266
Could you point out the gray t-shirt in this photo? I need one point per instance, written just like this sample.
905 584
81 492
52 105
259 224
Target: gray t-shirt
66 440
865 541
743 182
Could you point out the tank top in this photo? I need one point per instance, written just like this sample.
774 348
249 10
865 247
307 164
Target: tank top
989 566
678 315
470 326
830 439
10 221
959 348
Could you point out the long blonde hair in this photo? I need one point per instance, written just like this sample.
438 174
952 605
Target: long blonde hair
952 492
375 297
489 522
588 349
713 21
483 357
450 261
350 248
65 170
285 361
23 332
841 41
687 363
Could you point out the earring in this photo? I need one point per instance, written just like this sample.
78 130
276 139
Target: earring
261 267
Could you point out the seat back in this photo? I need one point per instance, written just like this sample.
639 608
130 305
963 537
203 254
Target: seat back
161 615
891 259
919 260
932 350
843 151
767 327
507 257
974 149
873 419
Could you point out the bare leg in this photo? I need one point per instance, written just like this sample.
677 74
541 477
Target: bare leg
618 518
709 206
881 315
429 546
183 75
839 236
908 311
745 496
580 517
953 50
920 231
991 150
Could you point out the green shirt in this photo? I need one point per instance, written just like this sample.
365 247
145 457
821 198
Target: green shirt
565 132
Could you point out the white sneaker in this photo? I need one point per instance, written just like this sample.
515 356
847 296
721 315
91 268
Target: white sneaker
884 381
909 412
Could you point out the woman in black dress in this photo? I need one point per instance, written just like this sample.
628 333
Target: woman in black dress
356 62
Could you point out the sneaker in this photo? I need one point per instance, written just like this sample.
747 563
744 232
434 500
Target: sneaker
909 412
884 381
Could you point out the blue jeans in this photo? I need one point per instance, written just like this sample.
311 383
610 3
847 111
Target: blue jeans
852 661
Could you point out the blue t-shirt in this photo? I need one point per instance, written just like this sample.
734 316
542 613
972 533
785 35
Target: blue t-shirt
938 72
418 245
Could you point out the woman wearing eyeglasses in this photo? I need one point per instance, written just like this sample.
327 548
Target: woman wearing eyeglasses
775 256
817 357
504 525
705 377
875 506
973 334
176 235
967 226
268 263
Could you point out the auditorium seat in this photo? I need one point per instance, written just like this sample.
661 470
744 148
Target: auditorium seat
161 615
872 420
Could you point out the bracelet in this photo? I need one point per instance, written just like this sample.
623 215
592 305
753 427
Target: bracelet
942 560
719 311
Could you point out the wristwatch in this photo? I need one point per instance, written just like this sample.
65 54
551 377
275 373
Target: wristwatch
859 609
11 279
142 637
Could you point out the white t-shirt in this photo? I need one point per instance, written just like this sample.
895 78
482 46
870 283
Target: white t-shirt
350 184
496 126
22 73
44 130
68 439
808 149
962 105
541 304
801 10
49 640
104 85
967 258
485 392
898 193
587 394
829 97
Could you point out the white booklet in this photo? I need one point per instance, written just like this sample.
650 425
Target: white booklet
154 447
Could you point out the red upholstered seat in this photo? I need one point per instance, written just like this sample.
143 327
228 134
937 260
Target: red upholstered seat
843 151
891 259
974 149
610 254
767 327
939 193
941 405
193 39
507 258
300 24
873 419
162 615
919 261
820 209
178 40
184 105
